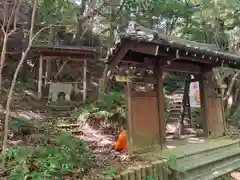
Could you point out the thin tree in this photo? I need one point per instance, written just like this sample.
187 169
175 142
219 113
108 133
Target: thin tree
23 57
8 27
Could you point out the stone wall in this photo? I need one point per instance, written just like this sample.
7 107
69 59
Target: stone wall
157 170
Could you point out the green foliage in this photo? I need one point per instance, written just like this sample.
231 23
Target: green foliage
64 154
110 100
172 164
171 83
166 110
57 11
110 107
110 172
235 117
196 116
20 126
150 178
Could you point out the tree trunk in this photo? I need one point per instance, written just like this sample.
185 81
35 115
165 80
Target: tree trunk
111 38
105 77
3 57
80 21
85 81
14 80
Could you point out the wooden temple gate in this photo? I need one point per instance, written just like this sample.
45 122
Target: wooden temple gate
146 60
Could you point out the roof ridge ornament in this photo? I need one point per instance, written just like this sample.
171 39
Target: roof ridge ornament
131 28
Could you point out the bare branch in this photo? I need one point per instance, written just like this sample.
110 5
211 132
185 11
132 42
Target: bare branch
41 30
229 92
61 68
33 20
5 12
3 29
10 19
15 16
121 7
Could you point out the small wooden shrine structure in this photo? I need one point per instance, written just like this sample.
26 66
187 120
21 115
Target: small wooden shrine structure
143 56
79 56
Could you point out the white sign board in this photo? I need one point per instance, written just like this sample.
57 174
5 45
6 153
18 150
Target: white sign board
194 95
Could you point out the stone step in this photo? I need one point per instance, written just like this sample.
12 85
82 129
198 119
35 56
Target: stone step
203 159
68 125
202 152
76 132
176 118
209 162
62 118
178 113
218 171
196 148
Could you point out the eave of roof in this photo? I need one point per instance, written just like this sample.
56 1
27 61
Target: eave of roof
142 34
68 51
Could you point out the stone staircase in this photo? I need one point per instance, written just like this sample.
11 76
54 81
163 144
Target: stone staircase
62 113
211 162
175 106
203 161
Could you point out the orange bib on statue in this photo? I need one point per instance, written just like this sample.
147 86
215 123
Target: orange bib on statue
122 141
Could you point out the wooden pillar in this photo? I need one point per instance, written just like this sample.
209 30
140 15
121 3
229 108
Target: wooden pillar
47 72
40 73
129 113
211 102
160 106
85 80
204 104
48 62
185 104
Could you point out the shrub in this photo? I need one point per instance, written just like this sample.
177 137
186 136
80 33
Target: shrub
64 154
20 126
196 117
109 107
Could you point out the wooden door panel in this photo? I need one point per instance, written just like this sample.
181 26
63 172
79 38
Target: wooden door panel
145 121
214 111
215 117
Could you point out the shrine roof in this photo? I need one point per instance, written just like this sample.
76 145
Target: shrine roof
136 32
65 51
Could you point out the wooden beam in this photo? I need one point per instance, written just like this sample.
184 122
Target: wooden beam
179 53
130 62
40 73
183 67
143 47
143 94
196 59
144 80
54 58
118 55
